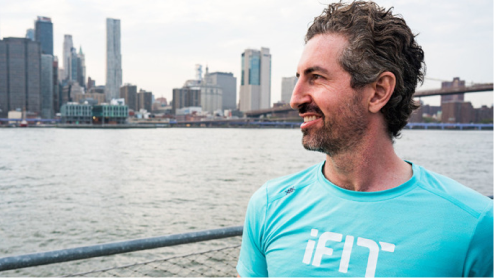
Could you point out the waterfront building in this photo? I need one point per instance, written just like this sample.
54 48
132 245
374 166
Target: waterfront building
30 34
113 114
228 84
457 112
211 98
47 86
255 84
20 75
431 110
129 93
67 52
144 100
44 34
456 83
484 114
113 59
186 97
75 113
287 86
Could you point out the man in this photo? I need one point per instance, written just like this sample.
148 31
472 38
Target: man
364 211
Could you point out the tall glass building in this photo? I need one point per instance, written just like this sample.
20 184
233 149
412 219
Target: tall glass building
47 86
113 59
20 76
255 84
44 34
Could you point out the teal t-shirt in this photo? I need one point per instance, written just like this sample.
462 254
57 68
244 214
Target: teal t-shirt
303 225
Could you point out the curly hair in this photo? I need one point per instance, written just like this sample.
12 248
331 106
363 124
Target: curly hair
378 41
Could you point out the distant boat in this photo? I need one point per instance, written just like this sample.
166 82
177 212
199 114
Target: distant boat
23 123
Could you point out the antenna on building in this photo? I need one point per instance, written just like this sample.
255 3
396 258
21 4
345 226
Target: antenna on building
198 72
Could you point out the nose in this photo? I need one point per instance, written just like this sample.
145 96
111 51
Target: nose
300 95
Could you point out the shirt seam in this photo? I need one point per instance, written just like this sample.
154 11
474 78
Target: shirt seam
475 214
472 236
264 222
342 195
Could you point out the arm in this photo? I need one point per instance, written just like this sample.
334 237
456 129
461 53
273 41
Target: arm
478 262
252 260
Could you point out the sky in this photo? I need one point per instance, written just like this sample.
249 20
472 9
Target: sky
163 40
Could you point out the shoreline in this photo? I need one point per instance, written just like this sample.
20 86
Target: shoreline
250 125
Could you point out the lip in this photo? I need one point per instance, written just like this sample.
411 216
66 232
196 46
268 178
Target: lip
310 123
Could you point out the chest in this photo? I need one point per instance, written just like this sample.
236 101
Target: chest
340 243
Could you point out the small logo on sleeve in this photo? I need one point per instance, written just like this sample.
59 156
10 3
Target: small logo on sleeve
289 190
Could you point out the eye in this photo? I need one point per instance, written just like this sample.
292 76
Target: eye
315 77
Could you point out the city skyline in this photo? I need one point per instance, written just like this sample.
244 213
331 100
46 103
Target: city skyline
162 41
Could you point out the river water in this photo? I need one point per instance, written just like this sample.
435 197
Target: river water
63 188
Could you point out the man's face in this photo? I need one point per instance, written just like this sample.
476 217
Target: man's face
335 118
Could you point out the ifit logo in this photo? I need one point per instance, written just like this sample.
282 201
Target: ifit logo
322 250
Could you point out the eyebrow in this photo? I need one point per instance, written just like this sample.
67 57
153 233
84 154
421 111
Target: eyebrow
313 69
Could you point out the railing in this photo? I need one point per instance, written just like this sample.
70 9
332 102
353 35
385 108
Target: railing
79 253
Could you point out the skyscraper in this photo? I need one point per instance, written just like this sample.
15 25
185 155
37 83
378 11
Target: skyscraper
81 71
20 69
255 86
287 86
67 51
113 59
46 86
74 65
44 34
56 86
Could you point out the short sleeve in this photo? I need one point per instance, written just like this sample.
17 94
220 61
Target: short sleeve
252 260
479 257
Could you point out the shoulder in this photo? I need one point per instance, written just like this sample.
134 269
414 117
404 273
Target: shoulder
277 188
453 192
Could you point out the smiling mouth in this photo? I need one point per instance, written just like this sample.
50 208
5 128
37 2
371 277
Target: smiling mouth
310 118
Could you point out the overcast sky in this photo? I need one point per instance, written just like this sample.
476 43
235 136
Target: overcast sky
163 40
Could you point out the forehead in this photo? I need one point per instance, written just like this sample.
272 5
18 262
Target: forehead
323 50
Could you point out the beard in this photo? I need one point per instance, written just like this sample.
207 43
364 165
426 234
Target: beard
341 131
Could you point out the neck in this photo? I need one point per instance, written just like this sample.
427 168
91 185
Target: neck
370 166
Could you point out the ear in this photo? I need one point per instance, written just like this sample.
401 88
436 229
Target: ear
383 88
